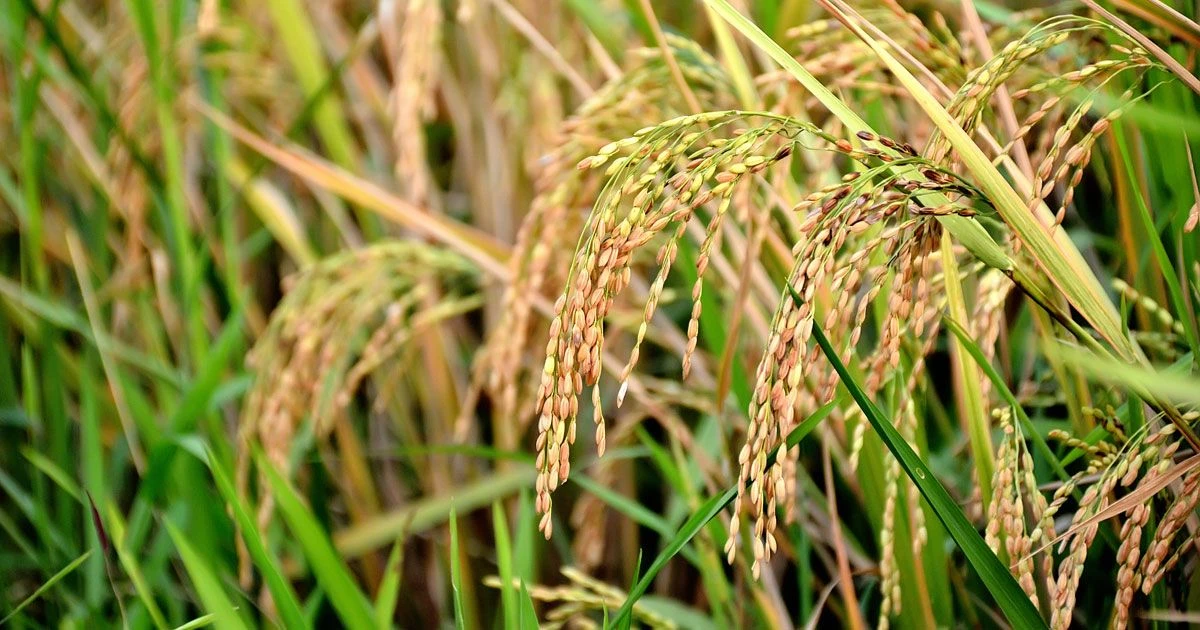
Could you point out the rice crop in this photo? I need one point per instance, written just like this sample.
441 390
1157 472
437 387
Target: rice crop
503 313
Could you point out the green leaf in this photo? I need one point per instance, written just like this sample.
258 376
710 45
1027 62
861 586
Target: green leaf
199 622
632 509
683 615
208 586
504 562
54 579
53 471
389 587
708 511
1166 385
456 573
810 423
699 519
973 407
286 602
332 574
527 620
525 546
133 567
431 511
1008 594
976 353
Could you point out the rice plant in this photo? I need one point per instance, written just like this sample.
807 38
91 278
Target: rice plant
883 314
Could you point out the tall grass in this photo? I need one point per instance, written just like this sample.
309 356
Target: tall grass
885 314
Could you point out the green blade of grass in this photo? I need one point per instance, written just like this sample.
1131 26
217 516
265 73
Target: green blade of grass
527 619
966 376
53 471
1013 602
976 353
429 512
708 511
810 423
681 614
389 588
208 586
332 574
304 51
35 511
705 513
65 318
199 622
223 352
286 603
47 585
132 565
159 48
504 563
633 510
1166 385
525 546
456 573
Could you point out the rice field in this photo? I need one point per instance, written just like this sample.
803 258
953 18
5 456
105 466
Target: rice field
575 314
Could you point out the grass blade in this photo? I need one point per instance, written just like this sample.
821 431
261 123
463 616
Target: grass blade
1008 594
976 353
504 562
527 617
133 567
286 603
966 376
429 512
633 510
389 588
199 622
456 573
708 511
1166 385
705 513
332 574
208 587
48 584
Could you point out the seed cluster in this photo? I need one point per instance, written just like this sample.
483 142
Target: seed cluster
665 184
572 605
1064 153
1148 303
1140 462
1014 489
631 101
1158 559
864 236
659 184
341 321
413 49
